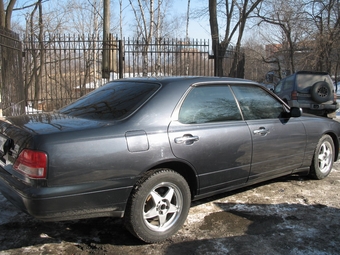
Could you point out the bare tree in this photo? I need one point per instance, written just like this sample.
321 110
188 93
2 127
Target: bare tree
6 14
150 16
145 26
51 71
38 54
289 17
121 19
236 13
326 18
255 51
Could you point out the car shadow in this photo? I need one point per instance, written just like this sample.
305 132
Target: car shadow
24 231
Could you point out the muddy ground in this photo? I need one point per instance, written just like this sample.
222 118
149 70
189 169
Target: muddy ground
290 215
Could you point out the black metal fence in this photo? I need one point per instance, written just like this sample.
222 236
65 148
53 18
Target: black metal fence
11 82
61 68
167 57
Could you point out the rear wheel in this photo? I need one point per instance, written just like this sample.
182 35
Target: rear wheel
158 206
323 158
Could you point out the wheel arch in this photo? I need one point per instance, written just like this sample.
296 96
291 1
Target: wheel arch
336 144
183 169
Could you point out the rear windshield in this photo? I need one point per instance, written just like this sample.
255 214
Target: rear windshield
306 81
113 101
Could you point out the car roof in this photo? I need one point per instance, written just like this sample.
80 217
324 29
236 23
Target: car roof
189 79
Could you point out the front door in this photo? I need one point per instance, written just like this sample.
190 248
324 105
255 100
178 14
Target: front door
279 142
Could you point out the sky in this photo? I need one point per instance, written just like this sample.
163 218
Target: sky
198 26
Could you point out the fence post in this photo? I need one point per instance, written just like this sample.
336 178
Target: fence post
121 58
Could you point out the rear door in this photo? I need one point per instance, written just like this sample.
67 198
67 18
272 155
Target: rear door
279 142
208 132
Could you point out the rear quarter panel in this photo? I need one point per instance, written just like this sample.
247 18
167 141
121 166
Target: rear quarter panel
103 153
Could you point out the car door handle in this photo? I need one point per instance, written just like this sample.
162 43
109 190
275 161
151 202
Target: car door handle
186 139
261 131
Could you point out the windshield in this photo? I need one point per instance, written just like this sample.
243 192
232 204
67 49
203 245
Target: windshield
113 101
306 81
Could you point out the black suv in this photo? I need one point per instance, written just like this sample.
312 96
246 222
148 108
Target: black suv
312 91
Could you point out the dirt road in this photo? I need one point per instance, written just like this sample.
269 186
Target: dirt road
290 215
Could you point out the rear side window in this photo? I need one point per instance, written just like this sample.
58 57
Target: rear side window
206 104
113 101
306 81
257 103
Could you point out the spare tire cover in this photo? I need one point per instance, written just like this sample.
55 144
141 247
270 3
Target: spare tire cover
322 92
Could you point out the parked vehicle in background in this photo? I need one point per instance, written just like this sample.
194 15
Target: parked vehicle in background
143 149
314 92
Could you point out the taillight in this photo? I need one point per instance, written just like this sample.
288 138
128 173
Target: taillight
32 164
294 95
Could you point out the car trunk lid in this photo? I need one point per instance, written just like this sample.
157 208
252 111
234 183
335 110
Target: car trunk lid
19 132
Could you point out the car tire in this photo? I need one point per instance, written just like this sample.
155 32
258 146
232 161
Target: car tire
322 92
323 158
158 205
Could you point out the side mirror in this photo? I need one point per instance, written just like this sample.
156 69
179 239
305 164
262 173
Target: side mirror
295 112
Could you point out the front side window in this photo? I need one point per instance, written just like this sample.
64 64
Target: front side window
279 86
115 100
206 104
289 84
257 103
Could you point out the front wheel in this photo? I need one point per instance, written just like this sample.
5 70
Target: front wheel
158 206
323 158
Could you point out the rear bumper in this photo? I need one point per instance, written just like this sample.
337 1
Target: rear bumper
316 107
80 201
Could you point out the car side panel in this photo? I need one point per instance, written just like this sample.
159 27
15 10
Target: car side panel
105 156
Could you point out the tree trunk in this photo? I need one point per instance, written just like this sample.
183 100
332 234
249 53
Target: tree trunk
216 46
6 15
187 23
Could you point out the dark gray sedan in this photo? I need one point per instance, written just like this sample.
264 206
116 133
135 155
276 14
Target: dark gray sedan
143 149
